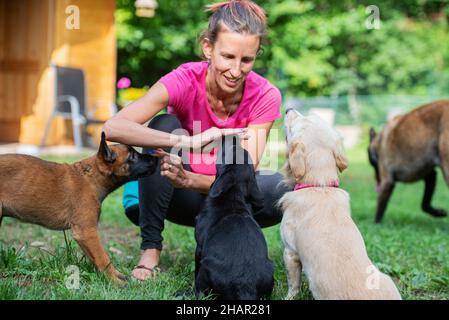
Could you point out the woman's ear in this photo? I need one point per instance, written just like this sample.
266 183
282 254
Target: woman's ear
296 159
340 156
207 47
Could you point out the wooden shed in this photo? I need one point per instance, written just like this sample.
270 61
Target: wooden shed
36 33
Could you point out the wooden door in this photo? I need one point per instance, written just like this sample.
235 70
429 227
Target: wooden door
24 55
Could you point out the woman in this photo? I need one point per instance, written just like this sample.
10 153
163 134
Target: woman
208 99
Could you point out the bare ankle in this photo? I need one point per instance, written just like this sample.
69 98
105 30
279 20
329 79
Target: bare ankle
150 257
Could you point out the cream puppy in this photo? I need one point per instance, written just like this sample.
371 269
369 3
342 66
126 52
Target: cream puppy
318 233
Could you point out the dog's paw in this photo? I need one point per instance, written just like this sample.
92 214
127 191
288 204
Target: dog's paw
291 295
119 278
121 282
438 213
123 277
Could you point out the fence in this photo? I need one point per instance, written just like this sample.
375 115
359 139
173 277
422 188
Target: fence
361 110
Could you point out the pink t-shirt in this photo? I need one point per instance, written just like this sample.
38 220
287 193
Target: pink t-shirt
186 88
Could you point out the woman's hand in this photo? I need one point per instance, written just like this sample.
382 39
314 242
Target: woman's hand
171 167
201 140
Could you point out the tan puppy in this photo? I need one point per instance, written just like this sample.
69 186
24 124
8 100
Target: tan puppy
318 233
69 196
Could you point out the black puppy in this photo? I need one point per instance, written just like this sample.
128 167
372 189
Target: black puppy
231 256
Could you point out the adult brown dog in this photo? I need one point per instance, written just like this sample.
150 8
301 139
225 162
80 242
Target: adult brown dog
408 149
64 196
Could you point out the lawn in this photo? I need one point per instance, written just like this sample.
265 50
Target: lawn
410 246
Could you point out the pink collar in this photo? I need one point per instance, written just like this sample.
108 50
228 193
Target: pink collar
299 186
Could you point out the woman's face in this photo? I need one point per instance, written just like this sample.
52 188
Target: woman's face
231 57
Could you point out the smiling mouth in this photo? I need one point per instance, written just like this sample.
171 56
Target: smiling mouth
235 81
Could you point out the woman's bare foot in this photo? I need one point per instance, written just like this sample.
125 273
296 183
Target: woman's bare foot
149 259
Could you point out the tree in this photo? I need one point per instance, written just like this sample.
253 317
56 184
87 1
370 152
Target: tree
314 47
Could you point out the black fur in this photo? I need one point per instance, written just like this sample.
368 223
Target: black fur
231 256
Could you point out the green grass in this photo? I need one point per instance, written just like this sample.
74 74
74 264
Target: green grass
410 246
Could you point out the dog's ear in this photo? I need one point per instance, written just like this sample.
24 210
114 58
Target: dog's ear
372 134
104 152
221 185
340 155
296 159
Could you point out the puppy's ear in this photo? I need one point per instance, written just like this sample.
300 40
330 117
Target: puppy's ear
104 152
296 159
340 156
372 134
221 185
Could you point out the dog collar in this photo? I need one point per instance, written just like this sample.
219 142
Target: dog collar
299 186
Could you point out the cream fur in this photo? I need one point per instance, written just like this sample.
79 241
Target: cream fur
318 233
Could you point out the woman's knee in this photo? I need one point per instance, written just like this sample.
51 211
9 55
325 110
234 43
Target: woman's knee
165 123
133 214
272 188
271 184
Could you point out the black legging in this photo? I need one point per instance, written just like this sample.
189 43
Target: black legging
159 200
